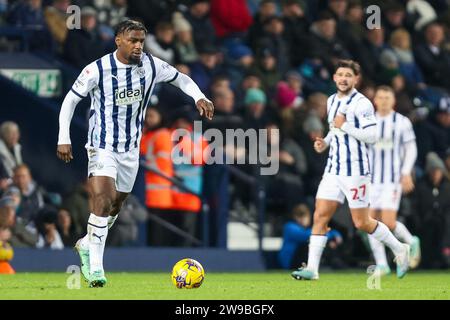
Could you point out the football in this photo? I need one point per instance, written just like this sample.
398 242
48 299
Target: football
188 273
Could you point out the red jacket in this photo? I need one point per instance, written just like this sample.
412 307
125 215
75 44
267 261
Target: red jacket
229 16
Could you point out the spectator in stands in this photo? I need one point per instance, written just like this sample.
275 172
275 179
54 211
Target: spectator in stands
265 68
295 29
273 38
84 45
368 54
317 77
351 29
110 13
400 48
267 9
230 18
203 71
285 189
421 13
239 60
155 149
66 229
431 207
34 197
256 115
77 205
394 18
184 41
324 43
161 44
150 12
10 149
56 16
125 231
433 57
20 233
188 161
5 180
29 15
199 18
49 236
296 233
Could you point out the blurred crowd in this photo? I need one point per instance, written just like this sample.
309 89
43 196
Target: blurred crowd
265 64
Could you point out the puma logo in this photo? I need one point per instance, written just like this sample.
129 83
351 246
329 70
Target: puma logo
99 237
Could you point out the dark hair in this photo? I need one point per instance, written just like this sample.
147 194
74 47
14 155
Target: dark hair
356 68
129 25
385 88
300 211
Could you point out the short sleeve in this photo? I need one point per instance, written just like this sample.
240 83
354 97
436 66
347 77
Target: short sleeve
407 131
86 81
164 71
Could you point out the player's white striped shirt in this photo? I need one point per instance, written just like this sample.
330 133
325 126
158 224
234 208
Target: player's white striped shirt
348 156
119 96
394 131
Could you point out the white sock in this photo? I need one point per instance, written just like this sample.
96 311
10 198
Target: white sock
384 235
111 220
402 233
84 242
378 250
97 231
316 245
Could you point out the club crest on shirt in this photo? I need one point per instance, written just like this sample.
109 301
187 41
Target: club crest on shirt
141 72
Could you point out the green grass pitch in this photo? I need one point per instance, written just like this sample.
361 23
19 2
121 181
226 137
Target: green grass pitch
239 286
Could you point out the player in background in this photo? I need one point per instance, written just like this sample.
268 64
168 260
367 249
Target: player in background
353 127
392 160
120 85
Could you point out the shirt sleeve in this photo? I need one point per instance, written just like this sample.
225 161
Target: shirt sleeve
366 129
407 131
86 81
164 71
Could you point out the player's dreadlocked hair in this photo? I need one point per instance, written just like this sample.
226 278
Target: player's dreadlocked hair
129 25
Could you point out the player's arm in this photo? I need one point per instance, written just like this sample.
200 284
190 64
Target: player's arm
321 144
167 73
85 82
188 86
367 130
64 149
409 157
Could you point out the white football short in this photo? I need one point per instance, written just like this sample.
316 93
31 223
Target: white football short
385 196
121 166
355 188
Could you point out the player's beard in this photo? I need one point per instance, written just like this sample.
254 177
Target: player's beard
134 60
345 92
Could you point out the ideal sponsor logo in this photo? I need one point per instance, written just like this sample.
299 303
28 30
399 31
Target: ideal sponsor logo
128 96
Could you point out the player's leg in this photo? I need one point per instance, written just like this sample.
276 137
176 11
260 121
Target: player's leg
378 248
389 218
317 242
357 190
117 205
103 195
328 198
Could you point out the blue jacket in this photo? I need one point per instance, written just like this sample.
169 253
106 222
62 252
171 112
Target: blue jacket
294 235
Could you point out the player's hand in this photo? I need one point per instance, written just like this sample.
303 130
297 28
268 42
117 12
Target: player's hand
64 152
320 145
205 107
339 120
407 183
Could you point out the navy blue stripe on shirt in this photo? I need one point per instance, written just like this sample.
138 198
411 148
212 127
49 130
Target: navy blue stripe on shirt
173 79
338 168
332 101
141 106
393 146
115 113
79 95
351 97
102 105
382 153
369 125
337 108
129 112
360 156
349 156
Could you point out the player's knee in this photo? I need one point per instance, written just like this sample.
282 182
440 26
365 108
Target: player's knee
362 224
391 224
103 204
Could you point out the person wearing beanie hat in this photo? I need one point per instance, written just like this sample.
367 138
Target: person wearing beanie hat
286 97
434 162
254 96
184 41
